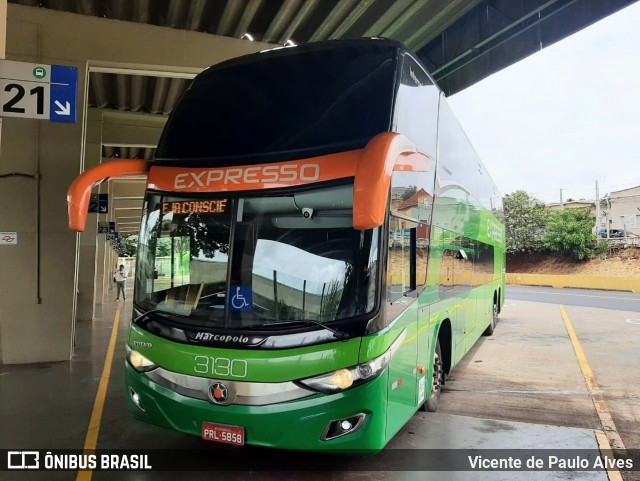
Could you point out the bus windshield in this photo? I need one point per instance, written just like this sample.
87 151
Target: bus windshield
315 100
249 262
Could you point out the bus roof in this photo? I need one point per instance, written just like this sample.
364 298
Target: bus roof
284 104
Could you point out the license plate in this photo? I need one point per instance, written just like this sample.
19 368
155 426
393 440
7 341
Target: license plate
222 433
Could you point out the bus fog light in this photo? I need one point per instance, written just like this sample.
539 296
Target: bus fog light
342 427
135 397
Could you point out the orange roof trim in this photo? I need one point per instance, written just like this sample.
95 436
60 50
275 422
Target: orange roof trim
371 167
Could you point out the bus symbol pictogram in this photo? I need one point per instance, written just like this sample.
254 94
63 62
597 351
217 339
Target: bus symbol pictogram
39 72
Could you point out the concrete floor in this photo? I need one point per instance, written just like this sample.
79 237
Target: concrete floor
520 389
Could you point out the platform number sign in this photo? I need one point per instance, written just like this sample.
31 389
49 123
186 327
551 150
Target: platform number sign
99 204
37 91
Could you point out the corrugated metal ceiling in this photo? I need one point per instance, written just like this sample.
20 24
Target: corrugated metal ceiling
460 41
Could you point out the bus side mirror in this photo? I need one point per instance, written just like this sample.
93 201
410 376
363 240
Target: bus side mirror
462 255
79 192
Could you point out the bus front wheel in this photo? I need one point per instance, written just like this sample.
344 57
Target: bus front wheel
431 404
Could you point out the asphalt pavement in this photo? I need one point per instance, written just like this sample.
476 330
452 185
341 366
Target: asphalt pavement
614 300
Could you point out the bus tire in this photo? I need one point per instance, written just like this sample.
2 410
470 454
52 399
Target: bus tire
494 319
431 404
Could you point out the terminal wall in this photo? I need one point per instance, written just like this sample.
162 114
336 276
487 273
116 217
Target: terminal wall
3 37
37 296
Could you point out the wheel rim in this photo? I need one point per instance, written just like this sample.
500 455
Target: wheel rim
495 314
438 375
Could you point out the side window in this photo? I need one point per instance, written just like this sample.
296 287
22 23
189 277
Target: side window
409 230
416 110
456 270
483 268
399 280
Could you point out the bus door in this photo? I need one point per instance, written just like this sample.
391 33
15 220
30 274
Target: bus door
401 312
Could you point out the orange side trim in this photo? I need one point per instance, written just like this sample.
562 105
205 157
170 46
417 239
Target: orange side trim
383 154
79 192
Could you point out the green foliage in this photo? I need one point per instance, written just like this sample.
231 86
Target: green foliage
570 231
410 192
525 219
128 245
601 248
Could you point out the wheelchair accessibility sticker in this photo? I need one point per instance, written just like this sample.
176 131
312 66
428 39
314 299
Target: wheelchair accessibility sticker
241 299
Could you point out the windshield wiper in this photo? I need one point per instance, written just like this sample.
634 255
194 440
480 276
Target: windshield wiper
338 334
157 311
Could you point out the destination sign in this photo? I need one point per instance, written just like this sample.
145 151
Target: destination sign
195 207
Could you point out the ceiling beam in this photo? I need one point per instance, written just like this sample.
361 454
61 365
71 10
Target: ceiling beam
301 17
175 13
353 17
437 21
194 15
247 17
138 84
392 30
229 16
339 12
278 23
141 11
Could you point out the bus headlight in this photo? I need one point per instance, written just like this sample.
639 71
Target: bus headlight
138 361
342 379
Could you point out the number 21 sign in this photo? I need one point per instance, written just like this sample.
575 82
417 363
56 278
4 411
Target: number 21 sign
38 91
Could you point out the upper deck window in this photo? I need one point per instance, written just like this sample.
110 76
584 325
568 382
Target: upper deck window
292 101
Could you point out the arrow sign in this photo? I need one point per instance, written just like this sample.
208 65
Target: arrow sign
64 109
64 87
103 203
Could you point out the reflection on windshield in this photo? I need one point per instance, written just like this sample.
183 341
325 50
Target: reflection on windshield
249 262
307 283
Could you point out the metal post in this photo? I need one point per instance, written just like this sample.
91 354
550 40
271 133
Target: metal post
304 291
275 294
597 209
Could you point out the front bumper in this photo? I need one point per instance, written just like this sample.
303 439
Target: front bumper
294 425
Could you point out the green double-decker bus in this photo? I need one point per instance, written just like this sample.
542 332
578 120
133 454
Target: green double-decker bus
320 245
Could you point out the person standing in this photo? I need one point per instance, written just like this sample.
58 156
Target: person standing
120 277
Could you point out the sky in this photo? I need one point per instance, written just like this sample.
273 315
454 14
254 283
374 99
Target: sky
564 117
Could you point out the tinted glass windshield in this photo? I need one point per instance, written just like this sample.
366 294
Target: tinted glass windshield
316 100
249 262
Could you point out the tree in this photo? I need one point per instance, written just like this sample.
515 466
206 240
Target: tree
128 245
410 192
569 231
525 218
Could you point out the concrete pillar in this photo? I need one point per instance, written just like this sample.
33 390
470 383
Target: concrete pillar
88 239
38 303
3 38
99 274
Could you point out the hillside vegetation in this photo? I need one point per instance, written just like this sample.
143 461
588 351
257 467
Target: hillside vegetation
625 263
